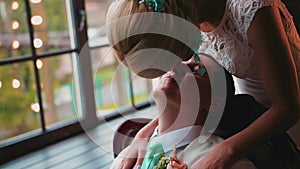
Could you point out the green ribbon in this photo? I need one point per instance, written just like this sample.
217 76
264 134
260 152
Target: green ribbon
153 154
157 5
201 71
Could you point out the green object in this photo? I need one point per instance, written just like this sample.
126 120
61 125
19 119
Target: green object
153 155
201 71
162 163
196 58
157 5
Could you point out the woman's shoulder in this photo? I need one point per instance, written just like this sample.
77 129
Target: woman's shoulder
243 11
244 8
250 4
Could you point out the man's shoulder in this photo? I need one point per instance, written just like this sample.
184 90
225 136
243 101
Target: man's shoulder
198 148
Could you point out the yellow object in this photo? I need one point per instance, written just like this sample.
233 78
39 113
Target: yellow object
174 152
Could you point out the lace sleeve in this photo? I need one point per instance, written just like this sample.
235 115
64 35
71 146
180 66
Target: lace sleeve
243 11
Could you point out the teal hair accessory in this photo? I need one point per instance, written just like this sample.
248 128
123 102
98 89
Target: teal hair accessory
156 5
201 70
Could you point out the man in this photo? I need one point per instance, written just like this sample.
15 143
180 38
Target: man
181 117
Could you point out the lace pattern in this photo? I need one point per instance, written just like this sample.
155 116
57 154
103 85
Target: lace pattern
228 43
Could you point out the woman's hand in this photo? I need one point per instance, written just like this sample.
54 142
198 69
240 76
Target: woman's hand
132 156
221 157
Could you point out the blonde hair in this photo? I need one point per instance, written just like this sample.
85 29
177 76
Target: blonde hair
124 48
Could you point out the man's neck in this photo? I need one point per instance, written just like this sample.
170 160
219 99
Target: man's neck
169 121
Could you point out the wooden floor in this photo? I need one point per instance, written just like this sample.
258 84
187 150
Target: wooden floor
91 150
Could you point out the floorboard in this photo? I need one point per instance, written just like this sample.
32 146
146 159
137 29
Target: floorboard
90 150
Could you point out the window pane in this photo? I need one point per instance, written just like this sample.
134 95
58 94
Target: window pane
50 22
96 11
109 94
141 88
14 36
58 90
112 82
19 109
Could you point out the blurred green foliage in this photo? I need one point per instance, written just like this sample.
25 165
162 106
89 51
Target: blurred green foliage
16 116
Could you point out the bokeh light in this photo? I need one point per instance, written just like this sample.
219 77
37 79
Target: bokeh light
35 107
16 83
39 64
15 25
35 1
36 20
15 5
15 44
37 42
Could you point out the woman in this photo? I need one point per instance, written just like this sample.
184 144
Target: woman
255 40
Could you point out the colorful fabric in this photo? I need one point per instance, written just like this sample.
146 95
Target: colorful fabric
153 154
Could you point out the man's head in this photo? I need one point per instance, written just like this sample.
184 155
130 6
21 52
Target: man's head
182 94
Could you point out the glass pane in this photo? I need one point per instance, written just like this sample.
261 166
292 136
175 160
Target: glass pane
50 22
112 84
104 66
96 12
59 96
19 110
141 88
14 36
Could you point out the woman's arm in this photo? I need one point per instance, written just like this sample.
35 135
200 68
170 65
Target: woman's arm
148 130
269 41
133 155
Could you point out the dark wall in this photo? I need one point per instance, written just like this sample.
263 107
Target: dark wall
294 8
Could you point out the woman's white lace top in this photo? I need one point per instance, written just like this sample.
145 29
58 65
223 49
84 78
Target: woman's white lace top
228 44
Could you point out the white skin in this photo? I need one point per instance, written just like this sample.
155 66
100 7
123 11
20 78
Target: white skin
171 98
268 39
168 96
174 100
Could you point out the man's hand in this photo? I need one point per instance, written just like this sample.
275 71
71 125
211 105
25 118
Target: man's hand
175 163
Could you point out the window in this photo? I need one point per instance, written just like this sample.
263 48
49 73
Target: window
46 82
36 66
115 86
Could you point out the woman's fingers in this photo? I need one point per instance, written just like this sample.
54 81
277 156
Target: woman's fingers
128 163
116 163
137 167
126 159
141 155
133 155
